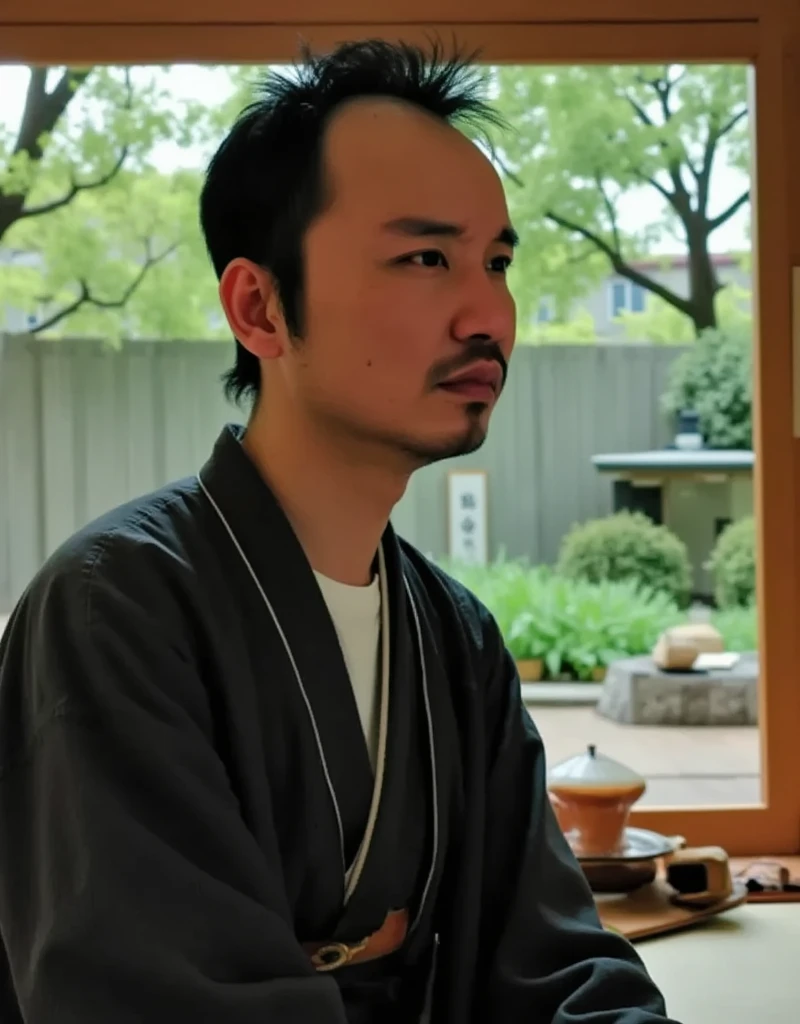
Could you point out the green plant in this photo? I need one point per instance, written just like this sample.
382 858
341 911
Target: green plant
715 378
739 627
733 564
592 624
627 546
575 626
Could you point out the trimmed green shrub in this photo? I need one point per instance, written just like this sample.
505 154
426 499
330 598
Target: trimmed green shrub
733 564
715 378
739 627
628 546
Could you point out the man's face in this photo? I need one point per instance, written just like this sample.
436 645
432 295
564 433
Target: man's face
405 287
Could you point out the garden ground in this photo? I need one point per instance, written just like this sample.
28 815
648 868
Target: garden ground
683 765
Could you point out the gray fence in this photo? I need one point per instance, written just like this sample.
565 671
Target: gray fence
83 428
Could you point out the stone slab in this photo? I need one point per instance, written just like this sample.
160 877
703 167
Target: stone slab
637 692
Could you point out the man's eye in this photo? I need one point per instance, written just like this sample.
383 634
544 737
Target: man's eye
500 264
427 258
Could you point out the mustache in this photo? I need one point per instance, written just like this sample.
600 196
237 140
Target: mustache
475 352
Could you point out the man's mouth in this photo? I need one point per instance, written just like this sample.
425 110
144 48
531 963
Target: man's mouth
480 382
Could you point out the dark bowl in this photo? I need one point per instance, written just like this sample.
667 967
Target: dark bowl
618 876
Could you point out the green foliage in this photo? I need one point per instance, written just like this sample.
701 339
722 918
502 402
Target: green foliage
132 128
659 323
590 625
578 330
628 546
586 140
715 378
574 626
733 565
738 626
176 297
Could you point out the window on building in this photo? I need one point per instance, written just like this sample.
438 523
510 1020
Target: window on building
546 311
626 297
619 296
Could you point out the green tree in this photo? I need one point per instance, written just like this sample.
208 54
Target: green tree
95 239
715 378
663 324
584 138
578 330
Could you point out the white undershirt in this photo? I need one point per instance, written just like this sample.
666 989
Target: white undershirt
356 614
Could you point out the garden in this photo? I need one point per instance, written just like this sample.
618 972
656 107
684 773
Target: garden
619 582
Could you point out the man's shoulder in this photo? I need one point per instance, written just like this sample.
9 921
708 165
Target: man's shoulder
106 620
128 542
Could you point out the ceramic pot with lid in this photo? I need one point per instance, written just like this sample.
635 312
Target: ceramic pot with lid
592 796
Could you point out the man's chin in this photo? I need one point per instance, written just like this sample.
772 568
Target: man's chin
425 451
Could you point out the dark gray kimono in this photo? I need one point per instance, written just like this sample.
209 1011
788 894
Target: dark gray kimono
183 779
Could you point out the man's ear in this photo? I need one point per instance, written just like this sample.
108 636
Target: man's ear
253 309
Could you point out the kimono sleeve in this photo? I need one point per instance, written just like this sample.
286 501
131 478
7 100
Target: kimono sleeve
131 889
549 960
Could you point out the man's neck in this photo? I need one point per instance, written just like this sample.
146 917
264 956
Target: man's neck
338 503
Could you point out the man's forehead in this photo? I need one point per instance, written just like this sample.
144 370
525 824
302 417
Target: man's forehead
388 131
392 160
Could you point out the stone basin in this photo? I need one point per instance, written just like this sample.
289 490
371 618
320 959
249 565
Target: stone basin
637 692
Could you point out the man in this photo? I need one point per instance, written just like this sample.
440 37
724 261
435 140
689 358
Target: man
261 761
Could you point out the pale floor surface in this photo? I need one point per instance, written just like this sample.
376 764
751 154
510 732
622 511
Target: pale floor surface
738 968
682 765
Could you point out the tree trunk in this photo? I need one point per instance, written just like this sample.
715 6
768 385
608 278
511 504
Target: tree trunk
703 281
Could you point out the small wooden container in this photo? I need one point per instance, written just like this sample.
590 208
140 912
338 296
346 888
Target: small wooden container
700 875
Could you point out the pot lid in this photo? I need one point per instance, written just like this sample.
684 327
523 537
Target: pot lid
593 769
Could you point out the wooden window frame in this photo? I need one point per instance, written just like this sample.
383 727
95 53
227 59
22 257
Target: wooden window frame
763 33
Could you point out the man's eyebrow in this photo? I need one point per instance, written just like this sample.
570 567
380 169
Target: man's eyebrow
424 227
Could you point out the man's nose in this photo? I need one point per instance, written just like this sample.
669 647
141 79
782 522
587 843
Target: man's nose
486 313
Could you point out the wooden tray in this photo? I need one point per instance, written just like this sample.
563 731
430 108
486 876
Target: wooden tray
650 911
740 864
774 896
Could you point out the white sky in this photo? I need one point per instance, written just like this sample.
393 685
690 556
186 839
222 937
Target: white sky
205 83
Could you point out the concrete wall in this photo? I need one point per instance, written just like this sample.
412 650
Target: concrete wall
83 428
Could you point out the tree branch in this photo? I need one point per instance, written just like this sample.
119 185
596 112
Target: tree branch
646 120
726 214
76 186
612 213
703 176
621 266
665 192
43 109
39 117
74 189
731 123
574 260
640 112
679 199
663 88
85 295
